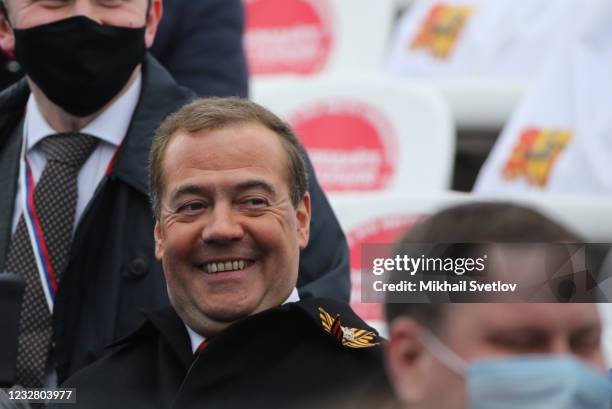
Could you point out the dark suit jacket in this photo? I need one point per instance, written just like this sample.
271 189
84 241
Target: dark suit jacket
10 71
113 275
200 43
286 357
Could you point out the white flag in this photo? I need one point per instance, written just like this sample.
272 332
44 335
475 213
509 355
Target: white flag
498 38
560 137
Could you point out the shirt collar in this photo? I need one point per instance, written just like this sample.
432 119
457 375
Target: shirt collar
196 339
110 126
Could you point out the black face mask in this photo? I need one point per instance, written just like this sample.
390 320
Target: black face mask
79 64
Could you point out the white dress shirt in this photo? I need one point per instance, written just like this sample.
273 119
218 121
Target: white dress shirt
196 339
110 127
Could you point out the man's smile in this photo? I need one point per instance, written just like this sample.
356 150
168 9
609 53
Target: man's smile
225 265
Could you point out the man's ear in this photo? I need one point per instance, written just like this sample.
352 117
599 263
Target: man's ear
159 241
7 37
404 355
302 213
153 19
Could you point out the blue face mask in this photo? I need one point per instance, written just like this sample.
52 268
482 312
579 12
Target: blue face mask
528 381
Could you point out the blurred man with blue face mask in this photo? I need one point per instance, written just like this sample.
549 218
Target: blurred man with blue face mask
495 355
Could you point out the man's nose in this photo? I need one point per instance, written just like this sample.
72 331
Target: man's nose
222 225
560 346
84 8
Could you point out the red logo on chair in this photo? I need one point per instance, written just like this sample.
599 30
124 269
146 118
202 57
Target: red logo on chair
535 154
288 36
441 29
351 144
387 229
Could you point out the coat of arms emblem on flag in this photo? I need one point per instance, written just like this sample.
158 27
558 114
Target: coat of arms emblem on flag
441 28
535 154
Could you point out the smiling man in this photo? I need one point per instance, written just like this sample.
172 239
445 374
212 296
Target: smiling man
231 221
229 193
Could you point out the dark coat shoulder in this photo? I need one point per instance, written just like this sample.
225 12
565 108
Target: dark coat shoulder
286 357
200 43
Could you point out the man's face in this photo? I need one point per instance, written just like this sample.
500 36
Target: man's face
228 235
478 331
24 14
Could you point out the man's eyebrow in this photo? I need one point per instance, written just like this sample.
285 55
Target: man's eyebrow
188 190
199 190
255 184
591 327
532 330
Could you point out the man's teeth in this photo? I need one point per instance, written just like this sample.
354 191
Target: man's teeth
222 266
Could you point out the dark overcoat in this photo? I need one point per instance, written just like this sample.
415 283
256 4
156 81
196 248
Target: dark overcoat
294 356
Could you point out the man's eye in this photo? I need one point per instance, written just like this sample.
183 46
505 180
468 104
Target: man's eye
53 3
586 343
191 207
255 202
520 342
111 3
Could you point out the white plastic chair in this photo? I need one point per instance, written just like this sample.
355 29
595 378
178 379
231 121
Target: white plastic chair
479 103
367 133
308 37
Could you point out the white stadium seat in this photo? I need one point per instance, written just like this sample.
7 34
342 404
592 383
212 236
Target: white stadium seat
367 133
479 103
308 37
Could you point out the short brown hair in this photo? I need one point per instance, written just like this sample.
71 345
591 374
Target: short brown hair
216 113
474 223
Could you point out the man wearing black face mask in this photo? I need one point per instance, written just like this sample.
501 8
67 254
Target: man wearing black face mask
74 213
198 42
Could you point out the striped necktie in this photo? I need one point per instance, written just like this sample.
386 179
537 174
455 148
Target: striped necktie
55 198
